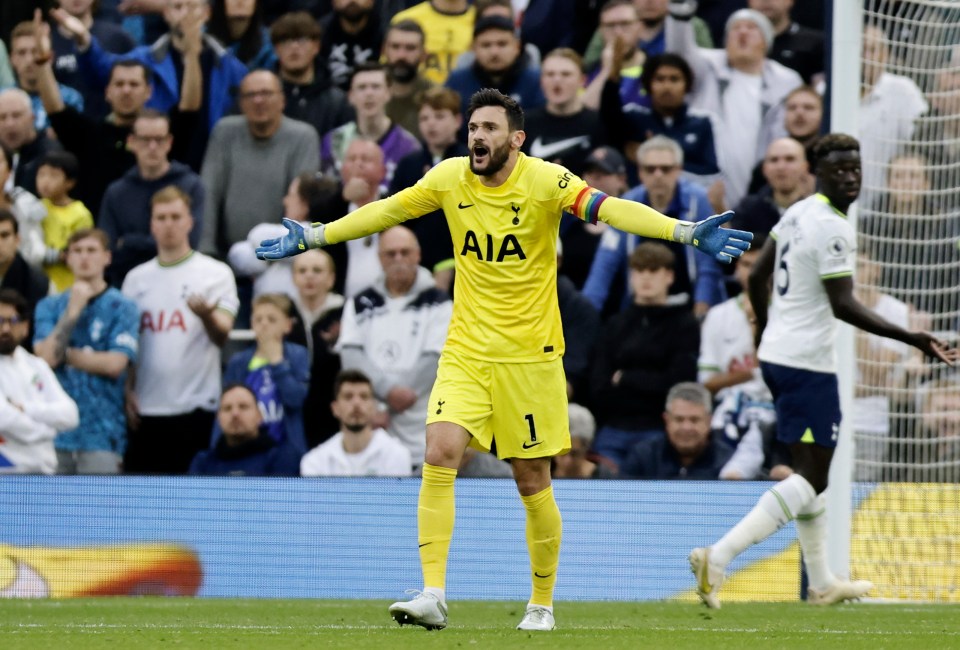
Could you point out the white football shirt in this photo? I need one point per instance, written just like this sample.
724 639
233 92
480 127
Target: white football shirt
815 242
179 367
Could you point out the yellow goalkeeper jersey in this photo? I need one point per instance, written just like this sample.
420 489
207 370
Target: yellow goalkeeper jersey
504 247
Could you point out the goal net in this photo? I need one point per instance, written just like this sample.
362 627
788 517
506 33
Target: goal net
905 532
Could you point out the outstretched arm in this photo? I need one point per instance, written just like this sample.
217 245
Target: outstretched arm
371 218
847 308
724 244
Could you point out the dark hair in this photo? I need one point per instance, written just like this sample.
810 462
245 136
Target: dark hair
16 300
132 63
250 41
368 66
409 26
349 376
237 384
7 215
62 160
830 143
295 24
610 4
667 59
318 192
651 256
488 23
493 97
481 6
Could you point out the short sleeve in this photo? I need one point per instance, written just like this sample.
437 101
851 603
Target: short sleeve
835 249
125 329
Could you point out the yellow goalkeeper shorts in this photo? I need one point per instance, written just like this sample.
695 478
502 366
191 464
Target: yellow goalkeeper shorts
516 410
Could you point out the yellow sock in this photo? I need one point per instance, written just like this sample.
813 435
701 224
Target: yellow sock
436 512
544 530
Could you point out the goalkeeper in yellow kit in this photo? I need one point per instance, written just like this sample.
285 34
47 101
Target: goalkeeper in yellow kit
500 383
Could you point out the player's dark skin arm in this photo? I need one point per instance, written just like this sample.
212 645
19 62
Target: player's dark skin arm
758 286
847 308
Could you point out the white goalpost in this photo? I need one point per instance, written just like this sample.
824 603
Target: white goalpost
894 511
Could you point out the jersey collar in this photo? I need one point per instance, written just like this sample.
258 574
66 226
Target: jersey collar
823 199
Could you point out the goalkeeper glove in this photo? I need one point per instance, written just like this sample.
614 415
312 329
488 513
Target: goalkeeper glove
723 244
297 240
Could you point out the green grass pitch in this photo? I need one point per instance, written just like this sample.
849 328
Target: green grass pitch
276 624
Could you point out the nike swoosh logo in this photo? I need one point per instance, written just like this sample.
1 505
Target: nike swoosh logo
27 584
463 207
532 445
540 576
424 544
541 150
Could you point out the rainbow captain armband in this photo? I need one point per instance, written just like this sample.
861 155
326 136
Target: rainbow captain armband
587 204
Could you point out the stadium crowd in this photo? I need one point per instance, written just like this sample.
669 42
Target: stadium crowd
150 145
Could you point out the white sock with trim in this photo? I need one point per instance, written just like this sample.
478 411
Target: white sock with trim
812 533
775 508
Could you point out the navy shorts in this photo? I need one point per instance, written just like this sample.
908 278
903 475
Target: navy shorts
807 404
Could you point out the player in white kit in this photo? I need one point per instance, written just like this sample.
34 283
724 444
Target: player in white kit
811 257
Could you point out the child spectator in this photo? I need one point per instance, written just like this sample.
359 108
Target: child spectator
276 371
56 178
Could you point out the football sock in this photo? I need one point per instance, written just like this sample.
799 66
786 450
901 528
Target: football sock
776 507
544 530
812 533
436 512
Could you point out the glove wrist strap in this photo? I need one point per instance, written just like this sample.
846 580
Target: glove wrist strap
314 236
683 232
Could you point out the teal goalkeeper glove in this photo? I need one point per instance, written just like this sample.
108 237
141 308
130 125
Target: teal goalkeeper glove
723 244
293 243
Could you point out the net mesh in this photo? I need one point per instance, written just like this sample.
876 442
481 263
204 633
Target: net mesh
906 530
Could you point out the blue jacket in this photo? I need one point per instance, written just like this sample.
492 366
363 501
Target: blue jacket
291 377
692 130
224 77
259 457
613 254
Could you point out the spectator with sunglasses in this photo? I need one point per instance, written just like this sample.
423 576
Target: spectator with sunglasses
698 280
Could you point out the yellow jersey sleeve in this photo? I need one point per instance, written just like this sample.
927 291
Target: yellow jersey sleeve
590 204
412 202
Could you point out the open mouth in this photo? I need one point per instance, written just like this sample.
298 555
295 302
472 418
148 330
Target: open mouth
480 153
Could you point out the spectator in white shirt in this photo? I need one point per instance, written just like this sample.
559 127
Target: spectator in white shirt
33 406
358 449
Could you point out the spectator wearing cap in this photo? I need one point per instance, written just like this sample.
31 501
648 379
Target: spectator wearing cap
500 63
697 279
606 170
666 78
741 85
